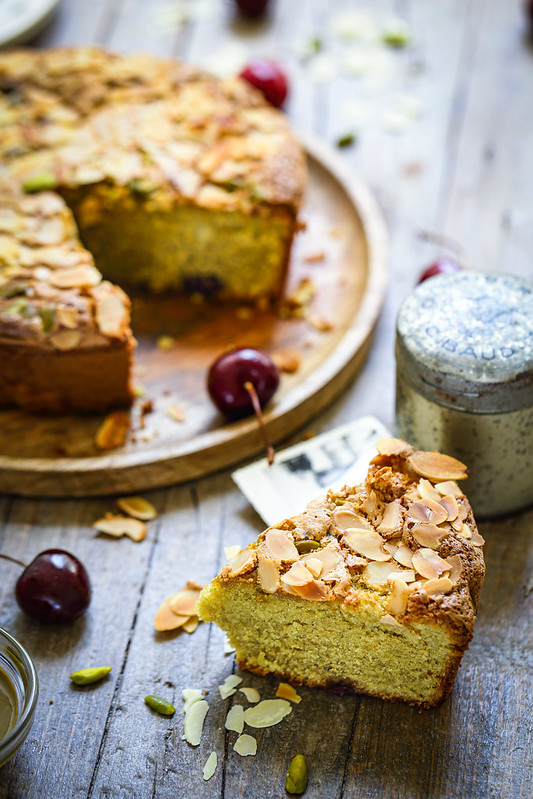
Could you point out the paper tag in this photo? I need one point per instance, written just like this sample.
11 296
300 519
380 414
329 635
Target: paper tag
306 470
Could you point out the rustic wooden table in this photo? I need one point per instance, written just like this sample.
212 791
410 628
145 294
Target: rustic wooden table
464 168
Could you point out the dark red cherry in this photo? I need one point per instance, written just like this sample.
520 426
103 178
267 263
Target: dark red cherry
229 374
529 11
269 78
442 266
54 588
252 8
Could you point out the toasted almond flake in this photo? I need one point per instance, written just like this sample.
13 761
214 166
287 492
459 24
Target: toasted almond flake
329 557
392 517
139 391
235 719
245 745
477 539
315 566
393 446
75 277
404 556
229 686
388 619
68 317
268 574
437 467
397 601
66 339
314 591
378 573
298 574
457 568
439 585
138 507
368 543
191 624
280 546
429 564
210 766
113 431
176 412
320 323
194 721
110 311
347 519
184 602
242 562
449 503
232 551
427 491
449 487
465 531
407 575
457 525
228 648
251 694
315 257
288 360
165 343
190 696
117 526
390 546
428 511
166 620
267 713
428 535
286 691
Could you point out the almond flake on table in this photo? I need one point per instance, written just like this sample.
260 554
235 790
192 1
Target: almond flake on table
138 507
235 719
176 412
229 686
195 713
251 694
210 766
228 648
178 610
286 691
245 745
118 526
267 713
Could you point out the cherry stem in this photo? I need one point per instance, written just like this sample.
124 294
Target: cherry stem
443 241
14 560
250 388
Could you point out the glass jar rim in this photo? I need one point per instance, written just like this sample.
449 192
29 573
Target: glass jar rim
26 668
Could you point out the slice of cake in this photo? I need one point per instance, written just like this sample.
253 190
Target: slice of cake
373 588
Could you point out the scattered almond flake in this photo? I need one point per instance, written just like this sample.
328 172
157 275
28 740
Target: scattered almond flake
351 23
191 625
245 745
195 714
228 648
323 68
165 619
165 343
113 431
395 32
138 507
229 686
190 696
251 695
176 412
235 719
320 323
227 60
295 305
184 602
315 257
267 713
117 526
232 551
139 391
286 691
210 766
288 360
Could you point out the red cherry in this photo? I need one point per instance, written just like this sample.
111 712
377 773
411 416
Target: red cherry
268 77
529 10
54 588
252 8
442 266
231 372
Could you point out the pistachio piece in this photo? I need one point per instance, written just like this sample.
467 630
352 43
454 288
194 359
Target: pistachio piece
304 547
88 676
39 182
160 705
48 315
297 775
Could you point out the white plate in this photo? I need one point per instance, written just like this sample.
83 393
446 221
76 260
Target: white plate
22 19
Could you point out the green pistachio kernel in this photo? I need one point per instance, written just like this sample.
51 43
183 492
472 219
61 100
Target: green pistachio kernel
297 775
346 141
17 307
88 676
48 316
159 705
12 289
396 37
40 182
304 547
339 501
141 186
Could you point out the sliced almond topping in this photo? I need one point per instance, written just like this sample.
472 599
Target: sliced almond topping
465 531
268 575
286 691
314 591
243 562
393 446
449 503
245 745
429 564
113 431
426 490
231 551
315 566
376 573
138 507
367 543
462 511
391 546
428 535
235 719
280 546
388 619
428 511
404 556
407 575
117 526
328 557
392 517
457 525
298 574
449 487
184 603
440 585
110 311
66 339
68 317
347 519
176 412
457 567
397 601
477 539
267 713
437 467
75 277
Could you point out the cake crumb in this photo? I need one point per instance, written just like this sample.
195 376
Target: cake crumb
113 431
176 412
287 360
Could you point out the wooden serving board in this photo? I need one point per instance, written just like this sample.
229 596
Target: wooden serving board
47 456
